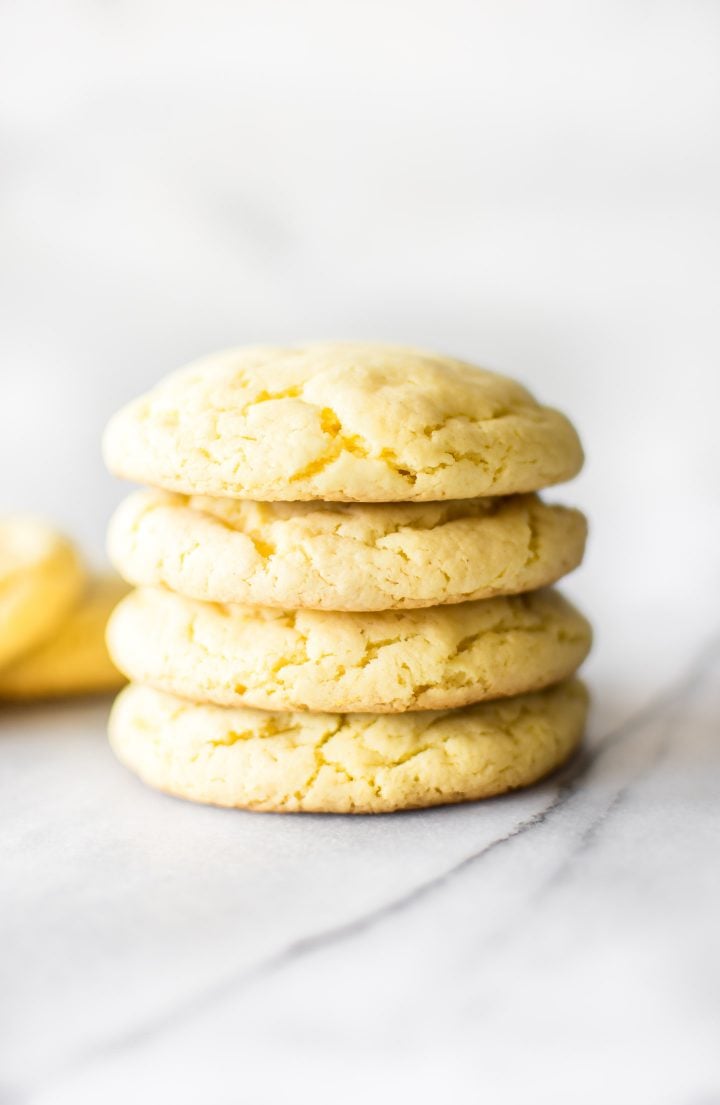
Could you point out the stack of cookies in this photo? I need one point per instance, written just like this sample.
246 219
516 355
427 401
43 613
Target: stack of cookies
341 574
52 616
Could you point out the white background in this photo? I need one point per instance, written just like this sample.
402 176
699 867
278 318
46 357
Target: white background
532 185
535 186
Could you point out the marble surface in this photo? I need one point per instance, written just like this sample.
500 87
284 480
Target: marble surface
558 939
533 186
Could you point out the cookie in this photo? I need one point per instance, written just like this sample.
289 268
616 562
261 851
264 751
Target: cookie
41 578
75 660
344 556
340 421
345 763
389 662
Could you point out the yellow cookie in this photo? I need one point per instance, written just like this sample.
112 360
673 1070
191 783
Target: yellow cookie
41 578
341 421
344 556
389 662
345 763
75 659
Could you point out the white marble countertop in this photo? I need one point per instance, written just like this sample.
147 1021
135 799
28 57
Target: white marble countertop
519 949
533 186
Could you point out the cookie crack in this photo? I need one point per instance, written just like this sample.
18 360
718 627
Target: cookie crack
321 762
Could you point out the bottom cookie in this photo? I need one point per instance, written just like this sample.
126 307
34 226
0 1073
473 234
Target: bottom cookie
345 763
75 661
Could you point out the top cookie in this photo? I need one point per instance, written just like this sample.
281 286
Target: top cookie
348 422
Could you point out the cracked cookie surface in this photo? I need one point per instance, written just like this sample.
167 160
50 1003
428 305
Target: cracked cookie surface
342 556
345 763
75 659
41 578
340 421
388 662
